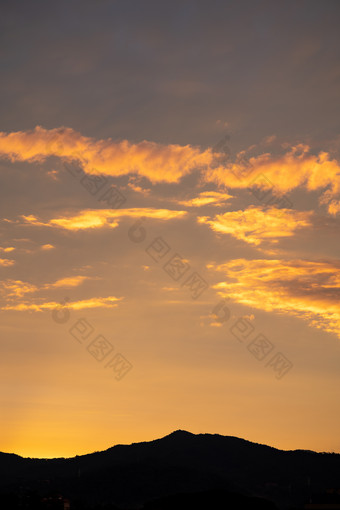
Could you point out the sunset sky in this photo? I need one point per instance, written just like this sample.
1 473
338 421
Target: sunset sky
169 223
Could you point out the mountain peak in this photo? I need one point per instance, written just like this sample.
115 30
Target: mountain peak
180 434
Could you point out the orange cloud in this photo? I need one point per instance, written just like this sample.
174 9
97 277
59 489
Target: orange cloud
307 289
8 249
44 247
156 162
13 291
6 262
334 207
133 184
257 224
215 198
17 288
98 218
71 281
108 302
296 168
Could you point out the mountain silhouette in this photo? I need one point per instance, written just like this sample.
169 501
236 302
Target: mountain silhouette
180 470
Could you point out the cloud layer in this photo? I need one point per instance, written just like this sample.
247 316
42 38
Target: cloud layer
296 167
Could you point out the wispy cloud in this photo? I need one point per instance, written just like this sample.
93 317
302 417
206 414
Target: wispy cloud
99 218
96 302
15 294
215 198
258 224
6 262
17 288
70 281
303 288
7 250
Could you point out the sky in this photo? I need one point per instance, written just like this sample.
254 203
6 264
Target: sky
169 223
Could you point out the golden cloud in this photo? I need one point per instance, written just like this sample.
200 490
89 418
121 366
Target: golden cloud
44 247
71 281
297 167
283 173
8 249
156 162
13 291
215 198
257 224
307 289
98 218
334 207
17 288
6 262
107 302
